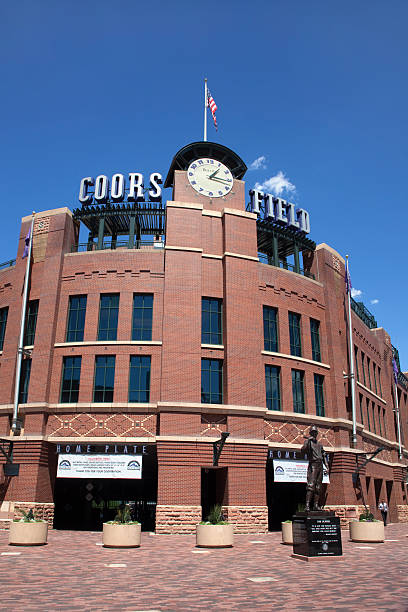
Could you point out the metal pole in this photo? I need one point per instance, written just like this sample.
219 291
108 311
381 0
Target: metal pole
205 109
351 358
398 421
14 425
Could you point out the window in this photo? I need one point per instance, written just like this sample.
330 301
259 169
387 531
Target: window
3 323
76 318
369 372
356 360
379 380
375 378
361 408
294 333
373 409
24 381
363 368
272 383
108 316
270 322
211 321
104 378
297 391
315 335
71 373
368 414
211 381
31 323
142 316
139 378
384 423
319 395
379 420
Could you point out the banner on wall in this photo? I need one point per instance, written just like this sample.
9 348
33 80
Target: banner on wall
99 466
293 471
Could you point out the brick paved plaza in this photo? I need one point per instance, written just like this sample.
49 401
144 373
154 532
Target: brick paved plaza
74 572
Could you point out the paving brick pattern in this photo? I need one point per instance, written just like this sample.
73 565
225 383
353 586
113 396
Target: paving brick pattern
73 572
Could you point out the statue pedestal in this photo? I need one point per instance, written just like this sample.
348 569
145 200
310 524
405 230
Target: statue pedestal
316 534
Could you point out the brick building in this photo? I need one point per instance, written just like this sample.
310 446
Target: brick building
207 319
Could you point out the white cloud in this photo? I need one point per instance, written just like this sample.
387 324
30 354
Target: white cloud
258 163
374 301
276 184
356 292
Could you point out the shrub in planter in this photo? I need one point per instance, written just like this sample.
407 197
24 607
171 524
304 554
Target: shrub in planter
28 531
123 531
367 529
287 532
215 532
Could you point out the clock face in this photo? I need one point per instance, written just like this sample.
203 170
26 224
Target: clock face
210 177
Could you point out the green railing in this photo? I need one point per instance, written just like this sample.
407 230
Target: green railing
7 264
285 265
364 314
119 244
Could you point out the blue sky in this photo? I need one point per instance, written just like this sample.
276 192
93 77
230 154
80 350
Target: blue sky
318 89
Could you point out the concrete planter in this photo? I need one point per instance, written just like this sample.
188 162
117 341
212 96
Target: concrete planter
366 531
214 536
287 533
28 534
121 536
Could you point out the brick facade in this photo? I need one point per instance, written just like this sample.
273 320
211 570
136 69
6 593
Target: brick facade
211 251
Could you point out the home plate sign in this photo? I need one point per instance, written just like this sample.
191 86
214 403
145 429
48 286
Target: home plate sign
99 466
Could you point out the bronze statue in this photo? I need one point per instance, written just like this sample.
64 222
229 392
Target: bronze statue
314 452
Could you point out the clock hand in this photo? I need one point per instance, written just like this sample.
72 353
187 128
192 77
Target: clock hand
214 173
220 180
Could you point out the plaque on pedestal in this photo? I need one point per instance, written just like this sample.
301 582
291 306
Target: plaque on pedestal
316 534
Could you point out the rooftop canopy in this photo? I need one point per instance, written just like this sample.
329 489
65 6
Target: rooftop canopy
195 150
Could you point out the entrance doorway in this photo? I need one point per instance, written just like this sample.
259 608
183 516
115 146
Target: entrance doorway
283 499
84 504
213 488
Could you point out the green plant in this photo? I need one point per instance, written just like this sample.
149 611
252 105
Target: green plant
123 516
215 516
367 516
287 521
28 517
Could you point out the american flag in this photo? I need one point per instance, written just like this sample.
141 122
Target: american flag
213 107
347 280
395 370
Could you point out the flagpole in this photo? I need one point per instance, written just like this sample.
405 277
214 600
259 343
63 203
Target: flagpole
398 417
205 109
20 349
351 359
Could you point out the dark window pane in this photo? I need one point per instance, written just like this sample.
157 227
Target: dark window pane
3 323
272 383
108 316
211 381
295 335
315 336
71 372
76 318
211 321
142 321
298 391
31 323
270 321
319 395
104 378
24 380
139 378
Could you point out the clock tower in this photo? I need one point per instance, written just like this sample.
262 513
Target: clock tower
208 173
211 252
